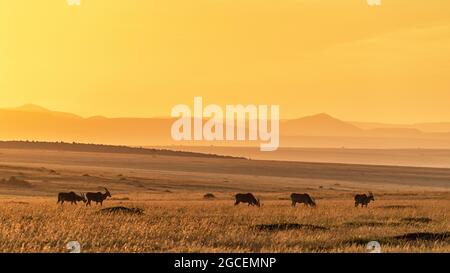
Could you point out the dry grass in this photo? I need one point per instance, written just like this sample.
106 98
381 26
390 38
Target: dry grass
177 218
39 225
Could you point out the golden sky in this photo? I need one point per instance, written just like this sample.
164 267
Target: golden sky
140 58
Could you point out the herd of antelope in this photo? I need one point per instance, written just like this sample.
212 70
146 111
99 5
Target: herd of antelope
301 198
246 198
73 198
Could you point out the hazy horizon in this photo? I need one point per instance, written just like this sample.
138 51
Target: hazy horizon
364 123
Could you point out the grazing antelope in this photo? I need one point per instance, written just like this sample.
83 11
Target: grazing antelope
98 197
71 197
302 198
246 198
363 199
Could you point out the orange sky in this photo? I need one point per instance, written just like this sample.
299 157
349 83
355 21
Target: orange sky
140 58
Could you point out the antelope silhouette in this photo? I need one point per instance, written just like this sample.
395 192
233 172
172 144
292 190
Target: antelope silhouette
71 197
98 197
246 198
302 198
363 199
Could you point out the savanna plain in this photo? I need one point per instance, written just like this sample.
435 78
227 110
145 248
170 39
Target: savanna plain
410 212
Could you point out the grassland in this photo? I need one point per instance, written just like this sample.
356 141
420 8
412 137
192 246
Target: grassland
217 226
410 214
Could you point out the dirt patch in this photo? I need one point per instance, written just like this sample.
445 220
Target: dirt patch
424 236
370 224
122 210
15 182
398 207
287 226
406 220
408 237
209 196
416 220
119 198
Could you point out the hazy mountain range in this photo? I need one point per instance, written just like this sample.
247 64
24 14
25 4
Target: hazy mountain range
31 122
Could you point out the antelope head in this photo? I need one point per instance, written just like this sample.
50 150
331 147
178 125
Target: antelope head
107 193
83 197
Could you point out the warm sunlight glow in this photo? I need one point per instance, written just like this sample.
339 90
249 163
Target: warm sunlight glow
388 63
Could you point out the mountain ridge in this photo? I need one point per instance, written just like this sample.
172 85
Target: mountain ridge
32 122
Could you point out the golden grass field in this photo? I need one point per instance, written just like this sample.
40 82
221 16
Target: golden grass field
217 226
176 218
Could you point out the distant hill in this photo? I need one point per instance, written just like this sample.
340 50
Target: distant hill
319 125
100 148
31 108
32 122
431 127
